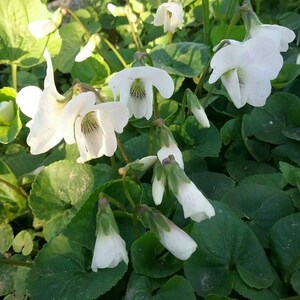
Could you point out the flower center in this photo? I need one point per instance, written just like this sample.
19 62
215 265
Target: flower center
137 90
89 123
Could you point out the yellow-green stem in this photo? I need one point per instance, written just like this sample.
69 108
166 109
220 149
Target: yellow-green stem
15 263
77 19
123 151
20 191
132 28
126 192
115 51
14 75
206 23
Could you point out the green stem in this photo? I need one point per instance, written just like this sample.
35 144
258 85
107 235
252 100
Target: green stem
116 203
205 101
206 23
155 105
258 7
233 21
20 191
123 151
151 139
115 51
77 19
126 192
14 75
133 31
15 262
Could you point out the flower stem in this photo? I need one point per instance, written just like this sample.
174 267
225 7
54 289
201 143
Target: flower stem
136 40
20 191
151 139
206 23
15 263
77 19
14 75
123 151
115 51
116 203
126 192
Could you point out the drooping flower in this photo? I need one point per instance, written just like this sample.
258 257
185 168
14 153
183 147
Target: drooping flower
246 69
178 242
193 202
92 126
41 28
135 86
7 111
159 181
169 147
110 248
88 49
280 35
45 108
170 15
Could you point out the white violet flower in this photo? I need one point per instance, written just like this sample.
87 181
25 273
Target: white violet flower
88 49
193 202
246 70
178 242
41 28
159 181
92 126
46 110
109 251
135 86
170 15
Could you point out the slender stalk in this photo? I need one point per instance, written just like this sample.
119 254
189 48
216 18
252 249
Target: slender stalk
11 186
123 151
15 263
206 23
151 139
205 101
233 21
115 51
14 75
116 203
155 105
257 7
77 19
126 192
205 71
132 27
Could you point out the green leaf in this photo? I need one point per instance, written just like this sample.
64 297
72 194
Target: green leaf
7 237
214 185
287 74
274 292
183 59
71 35
295 281
207 141
62 270
270 122
9 131
290 173
13 201
167 109
149 257
284 242
59 191
260 206
17 45
142 287
221 32
23 243
93 70
226 245
240 169
289 151
274 180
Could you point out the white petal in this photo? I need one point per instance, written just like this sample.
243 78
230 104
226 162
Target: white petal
109 251
164 152
118 114
193 202
177 15
143 108
159 16
226 59
201 116
28 100
158 188
232 84
79 105
179 243
41 28
46 129
109 144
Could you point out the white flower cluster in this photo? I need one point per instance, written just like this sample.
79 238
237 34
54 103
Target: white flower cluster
80 120
247 68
